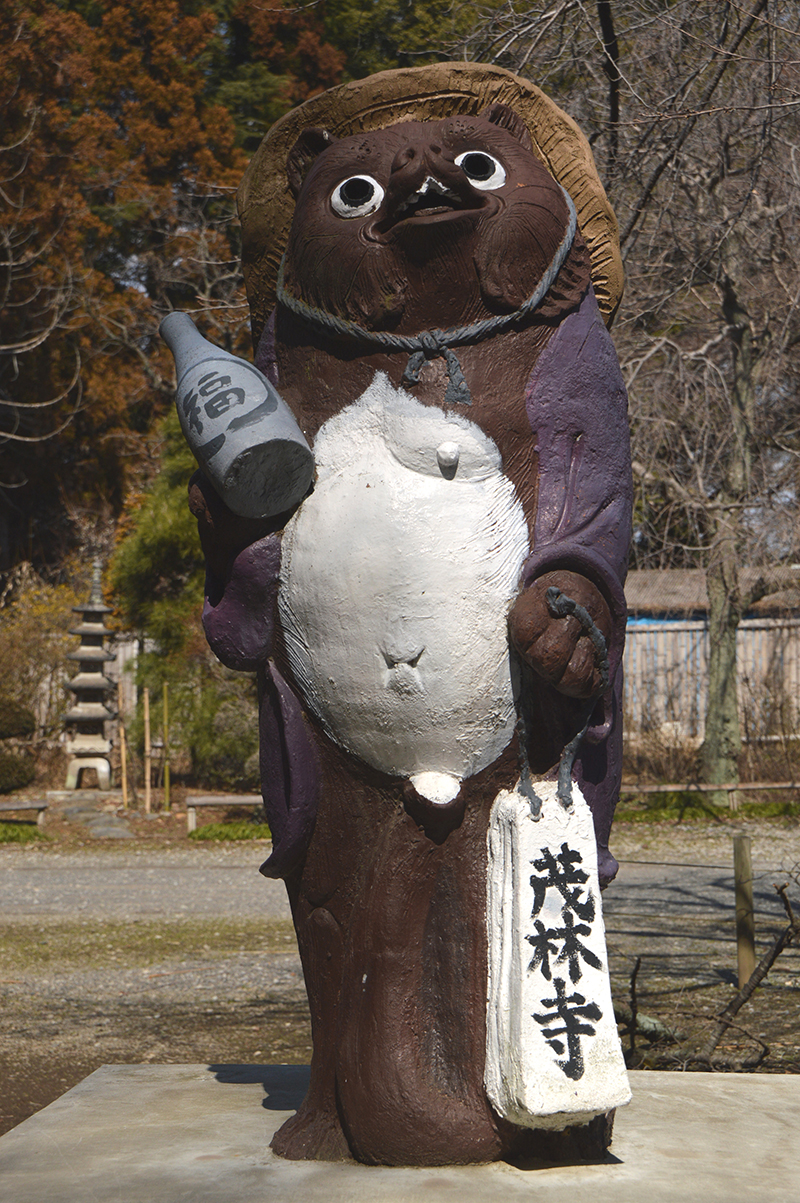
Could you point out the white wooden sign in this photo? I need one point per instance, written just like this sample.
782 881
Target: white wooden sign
553 1056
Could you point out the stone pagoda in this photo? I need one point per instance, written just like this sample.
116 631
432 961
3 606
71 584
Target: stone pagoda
87 745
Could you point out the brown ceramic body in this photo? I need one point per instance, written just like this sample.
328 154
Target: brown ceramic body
387 889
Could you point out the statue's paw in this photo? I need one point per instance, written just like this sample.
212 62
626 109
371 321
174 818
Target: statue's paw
223 534
557 649
311 1134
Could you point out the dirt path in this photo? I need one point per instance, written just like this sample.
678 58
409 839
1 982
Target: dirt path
673 905
172 953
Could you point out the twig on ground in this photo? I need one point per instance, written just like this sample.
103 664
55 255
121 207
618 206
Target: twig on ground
652 1029
761 970
787 906
634 1007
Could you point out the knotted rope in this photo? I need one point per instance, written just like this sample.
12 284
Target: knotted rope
434 344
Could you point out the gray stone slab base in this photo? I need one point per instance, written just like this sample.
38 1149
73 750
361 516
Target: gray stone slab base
200 1134
82 795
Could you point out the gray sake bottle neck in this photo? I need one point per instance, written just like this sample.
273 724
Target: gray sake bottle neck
187 344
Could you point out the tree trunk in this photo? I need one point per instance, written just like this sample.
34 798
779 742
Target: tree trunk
726 605
720 750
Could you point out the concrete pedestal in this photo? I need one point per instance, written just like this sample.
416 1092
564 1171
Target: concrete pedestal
199 1134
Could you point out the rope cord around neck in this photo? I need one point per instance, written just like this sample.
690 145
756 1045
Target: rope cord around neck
435 344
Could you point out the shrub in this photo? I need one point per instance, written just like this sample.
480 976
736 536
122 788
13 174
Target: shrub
16 721
16 771
236 829
12 832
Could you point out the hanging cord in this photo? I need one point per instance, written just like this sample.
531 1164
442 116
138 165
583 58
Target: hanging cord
560 606
434 344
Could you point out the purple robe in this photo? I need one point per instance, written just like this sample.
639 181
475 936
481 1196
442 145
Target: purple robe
577 408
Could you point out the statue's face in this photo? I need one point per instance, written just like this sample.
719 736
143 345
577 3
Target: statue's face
455 218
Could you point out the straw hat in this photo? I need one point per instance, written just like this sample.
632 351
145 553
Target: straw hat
430 93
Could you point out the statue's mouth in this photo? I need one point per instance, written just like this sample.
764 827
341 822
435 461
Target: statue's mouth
433 202
431 198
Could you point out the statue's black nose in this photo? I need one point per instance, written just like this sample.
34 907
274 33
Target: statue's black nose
417 154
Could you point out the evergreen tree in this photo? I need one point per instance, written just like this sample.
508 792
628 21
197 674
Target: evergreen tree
157 585
378 35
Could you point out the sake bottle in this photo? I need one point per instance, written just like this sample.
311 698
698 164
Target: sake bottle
241 431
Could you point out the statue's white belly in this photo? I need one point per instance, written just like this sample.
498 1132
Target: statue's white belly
397 575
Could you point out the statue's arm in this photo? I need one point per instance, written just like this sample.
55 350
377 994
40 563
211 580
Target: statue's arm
242 558
577 405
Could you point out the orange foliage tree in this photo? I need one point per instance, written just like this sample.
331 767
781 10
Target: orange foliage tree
123 143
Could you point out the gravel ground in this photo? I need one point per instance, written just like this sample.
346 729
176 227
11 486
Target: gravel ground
124 880
135 951
775 843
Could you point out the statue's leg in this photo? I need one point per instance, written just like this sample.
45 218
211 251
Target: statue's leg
321 892
315 1131
412 1035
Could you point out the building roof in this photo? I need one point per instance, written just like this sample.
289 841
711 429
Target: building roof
681 592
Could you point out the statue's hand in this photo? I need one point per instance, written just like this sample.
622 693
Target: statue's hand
557 648
223 534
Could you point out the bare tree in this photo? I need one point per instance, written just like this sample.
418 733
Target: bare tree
37 296
693 110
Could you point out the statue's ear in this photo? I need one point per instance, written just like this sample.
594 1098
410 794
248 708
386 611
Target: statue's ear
506 118
306 149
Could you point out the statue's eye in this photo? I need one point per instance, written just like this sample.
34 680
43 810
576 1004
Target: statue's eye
481 169
357 196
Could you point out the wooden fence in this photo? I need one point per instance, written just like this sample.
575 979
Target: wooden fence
666 676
